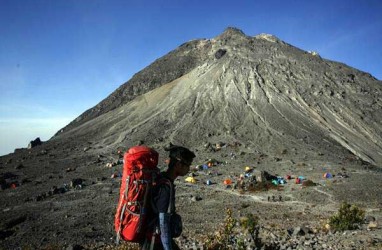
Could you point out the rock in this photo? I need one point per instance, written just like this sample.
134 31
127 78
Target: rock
308 183
220 53
372 225
76 183
306 229
300 231
160 139
43 152
3 183
36 142
307 242
40 197
196 198
70 170
53 190
19 166
369 218
75 247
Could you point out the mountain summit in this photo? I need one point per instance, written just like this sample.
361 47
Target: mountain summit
260 91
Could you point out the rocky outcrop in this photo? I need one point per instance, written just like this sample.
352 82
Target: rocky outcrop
36 142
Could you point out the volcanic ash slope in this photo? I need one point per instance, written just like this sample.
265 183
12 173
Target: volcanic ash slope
260 91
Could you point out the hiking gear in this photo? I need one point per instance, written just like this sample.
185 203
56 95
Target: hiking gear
176 225
139 175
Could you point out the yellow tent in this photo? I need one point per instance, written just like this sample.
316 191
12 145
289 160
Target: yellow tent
190 179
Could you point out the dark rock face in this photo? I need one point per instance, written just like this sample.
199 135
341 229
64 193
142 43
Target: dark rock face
220 53
36 142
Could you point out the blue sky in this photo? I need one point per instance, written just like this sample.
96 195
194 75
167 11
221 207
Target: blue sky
60 57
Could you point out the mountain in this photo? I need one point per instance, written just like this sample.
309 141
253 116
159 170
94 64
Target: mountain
260 91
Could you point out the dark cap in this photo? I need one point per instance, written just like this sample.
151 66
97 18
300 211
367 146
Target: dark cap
180 153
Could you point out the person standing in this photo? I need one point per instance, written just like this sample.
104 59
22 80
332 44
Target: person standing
166 223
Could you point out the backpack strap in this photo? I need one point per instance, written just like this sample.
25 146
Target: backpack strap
156 230
166 181
170 204
123 210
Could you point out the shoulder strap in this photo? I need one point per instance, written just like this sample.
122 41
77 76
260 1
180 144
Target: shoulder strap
166 181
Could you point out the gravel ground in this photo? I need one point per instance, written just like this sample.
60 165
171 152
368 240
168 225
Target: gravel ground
45 209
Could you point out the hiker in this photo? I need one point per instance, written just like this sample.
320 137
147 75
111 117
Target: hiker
166 221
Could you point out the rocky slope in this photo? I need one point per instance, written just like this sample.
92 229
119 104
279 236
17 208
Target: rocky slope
258 90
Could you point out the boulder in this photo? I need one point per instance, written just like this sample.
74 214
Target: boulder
76 183
36 142
372 225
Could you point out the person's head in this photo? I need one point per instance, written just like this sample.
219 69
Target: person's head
180 160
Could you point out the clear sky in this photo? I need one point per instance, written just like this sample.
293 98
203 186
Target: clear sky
59 58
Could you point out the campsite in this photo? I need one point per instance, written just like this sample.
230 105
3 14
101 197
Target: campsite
231 177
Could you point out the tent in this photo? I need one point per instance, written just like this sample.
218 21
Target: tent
248 169
298 181
275 182
328 175
227 182
190 179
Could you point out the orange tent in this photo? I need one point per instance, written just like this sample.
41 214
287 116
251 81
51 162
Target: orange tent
227 182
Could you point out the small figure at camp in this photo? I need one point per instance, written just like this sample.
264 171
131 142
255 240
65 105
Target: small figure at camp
241 182
298 180
120 154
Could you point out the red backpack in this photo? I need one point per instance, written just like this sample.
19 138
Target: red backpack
140 172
